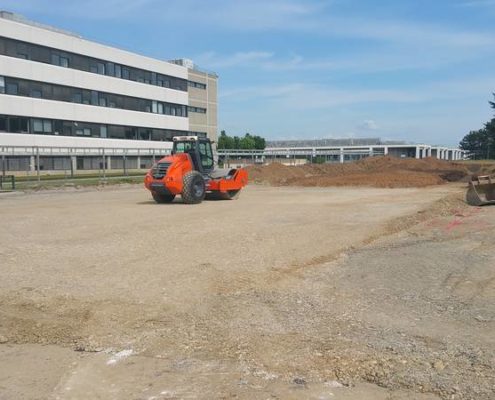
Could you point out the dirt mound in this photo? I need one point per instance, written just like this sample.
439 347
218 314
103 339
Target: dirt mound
373 171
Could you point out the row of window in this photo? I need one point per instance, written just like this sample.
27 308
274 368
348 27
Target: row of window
197 85
197 110
24 87
29 51
15 124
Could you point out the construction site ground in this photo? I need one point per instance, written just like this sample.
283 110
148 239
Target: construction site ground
287 293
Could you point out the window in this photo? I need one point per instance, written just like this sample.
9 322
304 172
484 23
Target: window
103 131
102 101
154 107
196 85
118 71
145 134
87 131
160 108
2 84
110 69
126 73
60 60
100 68
36 93
12 88
182 147
42 126
206 155
55 59
77 97
18 124
94 98
47 126
37 125
22 51
197 110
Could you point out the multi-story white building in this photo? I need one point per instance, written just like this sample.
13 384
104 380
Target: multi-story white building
59 90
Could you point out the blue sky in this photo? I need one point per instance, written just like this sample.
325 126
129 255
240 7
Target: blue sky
413 70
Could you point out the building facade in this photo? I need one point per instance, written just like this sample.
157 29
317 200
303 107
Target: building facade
60 90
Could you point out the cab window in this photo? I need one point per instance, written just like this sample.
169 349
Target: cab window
183 147
206 155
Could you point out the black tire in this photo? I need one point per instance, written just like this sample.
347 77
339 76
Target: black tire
163 198
194 189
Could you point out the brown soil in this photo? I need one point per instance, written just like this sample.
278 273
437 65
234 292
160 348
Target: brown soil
375 172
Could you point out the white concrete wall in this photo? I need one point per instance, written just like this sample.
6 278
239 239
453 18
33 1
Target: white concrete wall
28 140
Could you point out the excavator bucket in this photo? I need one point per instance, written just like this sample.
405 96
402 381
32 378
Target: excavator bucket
481 191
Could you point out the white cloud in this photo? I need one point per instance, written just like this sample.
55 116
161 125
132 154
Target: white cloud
263 16
316 97
368 125
213 60
300 96
89 9
359 62
478 3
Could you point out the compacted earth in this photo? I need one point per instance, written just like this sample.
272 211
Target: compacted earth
286 293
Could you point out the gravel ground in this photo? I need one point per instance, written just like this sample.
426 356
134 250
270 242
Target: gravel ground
288 293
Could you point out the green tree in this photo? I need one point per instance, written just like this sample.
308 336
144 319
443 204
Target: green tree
476 142
259 142
481 143
247 142
225 141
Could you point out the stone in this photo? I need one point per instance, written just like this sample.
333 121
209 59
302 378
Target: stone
299 381
439 365
3 339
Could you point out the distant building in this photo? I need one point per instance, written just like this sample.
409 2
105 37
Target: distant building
338 151
330 142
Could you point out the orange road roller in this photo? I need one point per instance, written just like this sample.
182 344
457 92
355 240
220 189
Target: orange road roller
190 172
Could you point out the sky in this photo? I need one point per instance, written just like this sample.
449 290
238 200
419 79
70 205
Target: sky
416 70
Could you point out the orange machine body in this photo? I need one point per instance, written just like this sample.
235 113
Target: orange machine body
180 165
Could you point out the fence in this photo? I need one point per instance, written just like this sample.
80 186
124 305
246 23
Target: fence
41 165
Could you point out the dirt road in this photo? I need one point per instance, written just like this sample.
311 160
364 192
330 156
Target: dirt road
285 293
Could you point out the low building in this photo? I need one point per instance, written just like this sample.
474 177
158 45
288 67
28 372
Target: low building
336 151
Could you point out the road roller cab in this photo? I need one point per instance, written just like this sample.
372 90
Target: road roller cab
190 172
